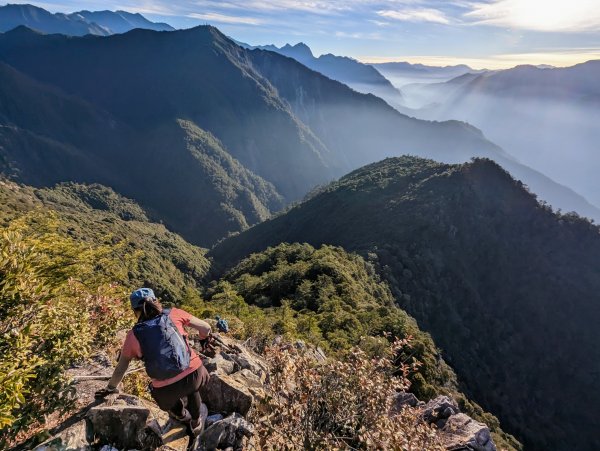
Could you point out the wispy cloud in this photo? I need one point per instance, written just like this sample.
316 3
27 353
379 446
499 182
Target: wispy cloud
416 15
358 35
223 18
539 15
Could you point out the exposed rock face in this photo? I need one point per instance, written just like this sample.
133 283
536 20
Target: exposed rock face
232 393
237 377
73 438
222 363
461 432
228 432
123 425
404 399
124 421
439 409
457 430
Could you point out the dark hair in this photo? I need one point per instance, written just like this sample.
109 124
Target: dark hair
149 309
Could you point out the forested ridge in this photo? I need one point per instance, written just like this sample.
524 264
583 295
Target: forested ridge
82 246
507 287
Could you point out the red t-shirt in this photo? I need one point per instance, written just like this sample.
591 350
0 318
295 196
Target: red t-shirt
132 350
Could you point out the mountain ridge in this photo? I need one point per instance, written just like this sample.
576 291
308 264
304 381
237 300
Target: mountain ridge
497 278
81 23
360 77
282 121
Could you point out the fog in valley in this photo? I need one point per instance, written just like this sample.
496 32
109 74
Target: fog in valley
545 118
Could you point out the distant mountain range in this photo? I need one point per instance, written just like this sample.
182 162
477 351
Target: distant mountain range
403 73
211 138
546 117
508 289
360 77
101 23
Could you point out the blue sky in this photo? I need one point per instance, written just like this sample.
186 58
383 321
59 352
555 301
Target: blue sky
482 33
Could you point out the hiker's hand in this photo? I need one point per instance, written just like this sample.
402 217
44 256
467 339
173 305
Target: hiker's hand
207 345
103 393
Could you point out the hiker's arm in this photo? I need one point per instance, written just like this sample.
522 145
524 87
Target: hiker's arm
119 372
202 327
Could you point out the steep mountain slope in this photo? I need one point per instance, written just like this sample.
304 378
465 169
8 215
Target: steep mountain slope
100 23
547 118
208 80
70 255
120 21
342 128
94 215
507 288
361 77
180 173
335 300
12 16
285 123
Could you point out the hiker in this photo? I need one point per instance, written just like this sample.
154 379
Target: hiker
160 340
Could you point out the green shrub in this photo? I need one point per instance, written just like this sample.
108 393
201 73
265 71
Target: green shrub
57 305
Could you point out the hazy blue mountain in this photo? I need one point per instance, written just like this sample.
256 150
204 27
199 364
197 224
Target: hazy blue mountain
403 73
342 128
12 16
547 118
361 77
101 23
507 288
120 21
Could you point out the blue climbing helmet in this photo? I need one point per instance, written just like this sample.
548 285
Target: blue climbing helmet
139 296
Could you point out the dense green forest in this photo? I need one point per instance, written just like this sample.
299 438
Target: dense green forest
71 253
507 288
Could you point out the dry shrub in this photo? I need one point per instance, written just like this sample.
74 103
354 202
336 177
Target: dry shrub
338 404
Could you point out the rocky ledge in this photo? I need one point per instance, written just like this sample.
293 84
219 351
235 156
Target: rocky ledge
237 382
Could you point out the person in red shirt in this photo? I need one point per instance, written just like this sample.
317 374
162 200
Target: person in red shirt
170 394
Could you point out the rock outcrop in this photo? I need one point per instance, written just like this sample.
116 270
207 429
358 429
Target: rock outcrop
458 431
237 383
231 432
461 432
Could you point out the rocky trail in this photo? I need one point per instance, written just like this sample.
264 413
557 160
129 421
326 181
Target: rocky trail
238 382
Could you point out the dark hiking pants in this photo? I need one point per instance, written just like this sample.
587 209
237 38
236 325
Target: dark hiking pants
174 397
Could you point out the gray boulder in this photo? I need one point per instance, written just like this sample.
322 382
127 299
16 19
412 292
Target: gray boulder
122 425
461 432
72 438
438 410
232 393
127 422
403 399
222 363
230 432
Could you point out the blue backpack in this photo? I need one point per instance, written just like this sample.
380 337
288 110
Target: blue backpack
164 350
